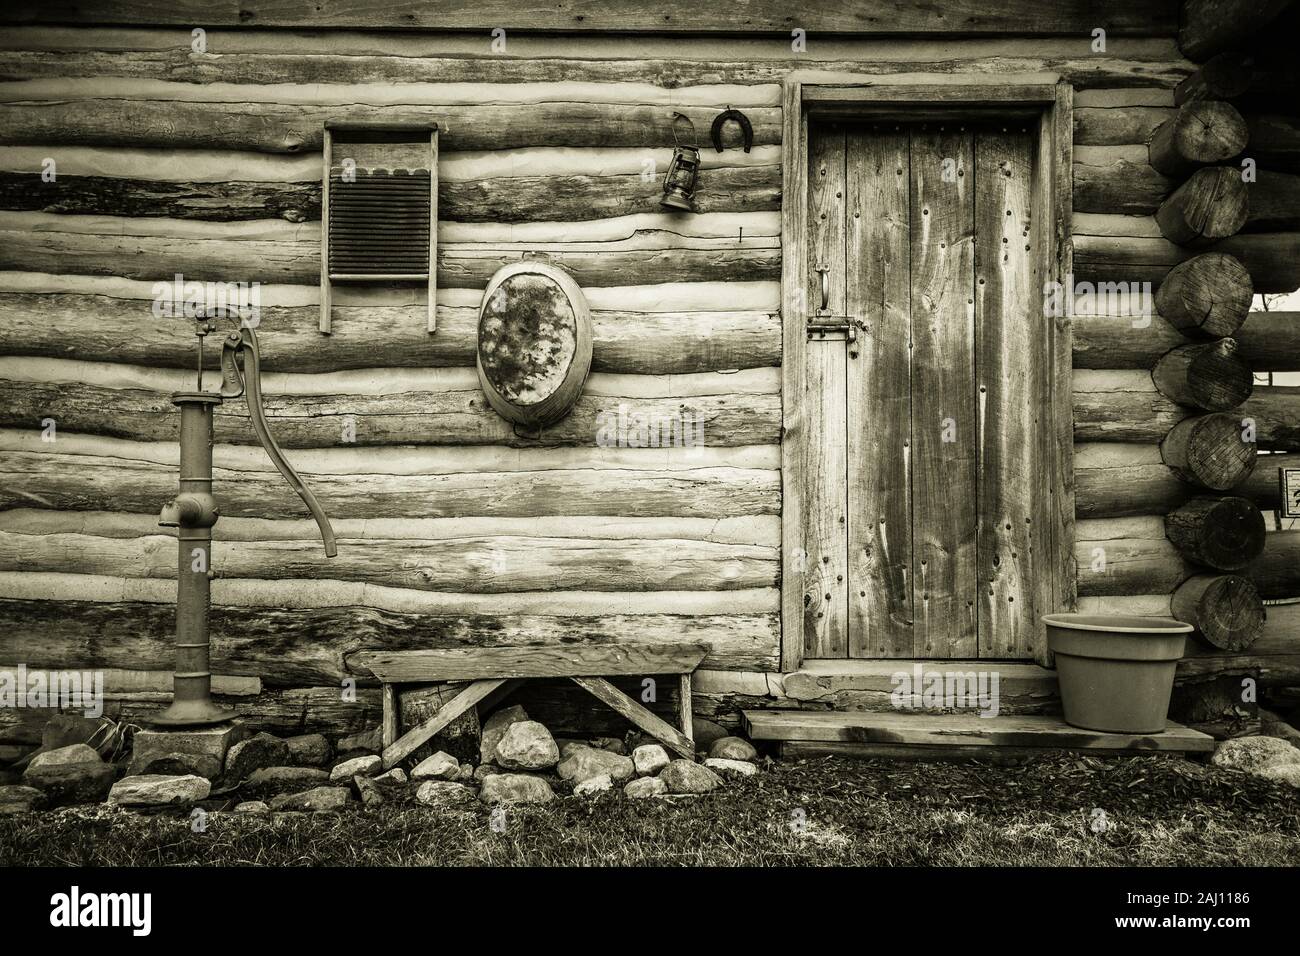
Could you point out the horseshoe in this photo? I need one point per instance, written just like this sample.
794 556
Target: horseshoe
746 127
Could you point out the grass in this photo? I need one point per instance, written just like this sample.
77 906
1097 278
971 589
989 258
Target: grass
819 811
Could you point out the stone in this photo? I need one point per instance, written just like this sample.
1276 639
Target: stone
569 746
722 765
613 744
705 732
483 771
64 756
155 790
309 750
593 785
494 729
252 806
466 773
440 766
1254 753
72 774
645 787
315 800
1284 773
367 766
527 745
515 788
443 793
62 730
686 776
271 781
259 751
371 793
1272 725
174 765
368 741
732 748
395 777
649 759
20 799
583 763
215 742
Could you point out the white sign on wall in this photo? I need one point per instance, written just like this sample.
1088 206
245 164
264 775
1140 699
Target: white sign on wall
1289 482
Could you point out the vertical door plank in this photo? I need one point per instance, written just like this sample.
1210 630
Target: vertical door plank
879 395
943 403
825 616
1012 412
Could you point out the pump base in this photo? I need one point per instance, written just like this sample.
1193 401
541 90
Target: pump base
193 713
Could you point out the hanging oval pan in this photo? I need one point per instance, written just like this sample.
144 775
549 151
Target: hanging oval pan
534 343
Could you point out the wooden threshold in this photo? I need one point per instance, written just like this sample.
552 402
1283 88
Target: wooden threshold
816 678
911 730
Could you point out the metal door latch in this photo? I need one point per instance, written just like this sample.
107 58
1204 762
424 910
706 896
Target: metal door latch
824 327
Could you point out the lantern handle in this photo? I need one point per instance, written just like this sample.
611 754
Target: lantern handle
682 116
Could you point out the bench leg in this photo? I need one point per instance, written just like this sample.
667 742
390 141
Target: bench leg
462 702
392 713
660 729
684 707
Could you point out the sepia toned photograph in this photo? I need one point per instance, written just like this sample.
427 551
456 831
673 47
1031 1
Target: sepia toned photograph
646 435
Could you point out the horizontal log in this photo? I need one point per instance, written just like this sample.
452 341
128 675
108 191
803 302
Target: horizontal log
1274 141
761 530
297 127
1124 406
292 647
595 483
564 198
1273 259
1114 480
1274 202
862 17
1274 658
445 408
1257 80
1210 205
1267 341
1113 125
283 711
657 343
1141 560
1198 134
1208 27
1119 186
603 253
1127 63
488 564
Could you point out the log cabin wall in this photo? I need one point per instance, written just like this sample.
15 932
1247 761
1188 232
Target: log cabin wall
454 530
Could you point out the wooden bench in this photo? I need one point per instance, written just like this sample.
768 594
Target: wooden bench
495 671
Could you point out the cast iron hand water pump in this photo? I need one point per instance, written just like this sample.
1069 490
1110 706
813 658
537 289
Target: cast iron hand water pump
193 512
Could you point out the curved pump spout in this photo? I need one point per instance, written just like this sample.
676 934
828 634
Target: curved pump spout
240 348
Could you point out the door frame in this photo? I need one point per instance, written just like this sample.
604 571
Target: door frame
1045 100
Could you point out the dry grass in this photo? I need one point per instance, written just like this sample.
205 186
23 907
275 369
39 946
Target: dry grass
812 812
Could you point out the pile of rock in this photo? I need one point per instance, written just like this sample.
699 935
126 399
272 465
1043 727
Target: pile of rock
519 762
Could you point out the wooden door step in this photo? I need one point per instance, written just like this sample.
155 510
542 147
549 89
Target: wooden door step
869 685
920 735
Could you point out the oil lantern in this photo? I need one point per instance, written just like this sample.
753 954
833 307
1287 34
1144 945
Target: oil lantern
683 171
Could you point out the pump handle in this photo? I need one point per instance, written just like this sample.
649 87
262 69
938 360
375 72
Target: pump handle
239 347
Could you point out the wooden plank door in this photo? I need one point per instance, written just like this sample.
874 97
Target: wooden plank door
924 432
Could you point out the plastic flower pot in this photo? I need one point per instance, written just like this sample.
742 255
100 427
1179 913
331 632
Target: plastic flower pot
1116 673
